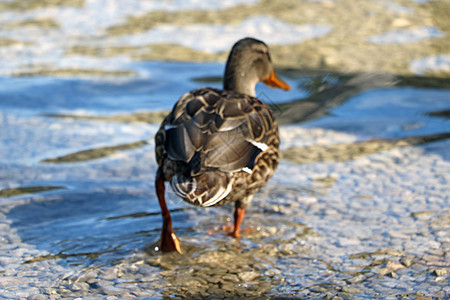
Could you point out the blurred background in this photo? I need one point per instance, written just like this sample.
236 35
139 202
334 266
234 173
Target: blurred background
102 37
359 207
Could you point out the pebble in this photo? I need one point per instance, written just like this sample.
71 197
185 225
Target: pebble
318 289
248 276
79 286
228 287
350 290
37 297
142 294
392 274
439 272
88 276
357 278
231 277
407 261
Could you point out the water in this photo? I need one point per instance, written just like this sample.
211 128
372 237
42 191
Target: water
359 206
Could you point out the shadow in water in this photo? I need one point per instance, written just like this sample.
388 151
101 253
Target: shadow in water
10 192
329 96
440 113
345 152
95 153
139 117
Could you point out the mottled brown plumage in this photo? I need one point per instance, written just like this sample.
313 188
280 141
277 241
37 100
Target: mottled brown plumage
220 146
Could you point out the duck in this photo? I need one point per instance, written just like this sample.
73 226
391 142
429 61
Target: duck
219 146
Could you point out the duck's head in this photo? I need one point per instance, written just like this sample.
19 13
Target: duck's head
249 63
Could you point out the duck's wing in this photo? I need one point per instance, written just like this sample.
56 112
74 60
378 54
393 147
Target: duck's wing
218 129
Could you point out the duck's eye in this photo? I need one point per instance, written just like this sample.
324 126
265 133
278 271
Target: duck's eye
265 52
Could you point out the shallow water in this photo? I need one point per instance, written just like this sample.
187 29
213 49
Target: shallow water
359 206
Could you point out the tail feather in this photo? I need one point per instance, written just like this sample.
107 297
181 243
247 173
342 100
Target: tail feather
205 189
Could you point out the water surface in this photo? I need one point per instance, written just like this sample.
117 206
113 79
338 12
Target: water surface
359 206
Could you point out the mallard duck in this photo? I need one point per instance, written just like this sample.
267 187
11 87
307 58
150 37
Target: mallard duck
220 146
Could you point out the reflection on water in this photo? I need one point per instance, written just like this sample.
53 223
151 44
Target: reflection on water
345 152
93 153
441 113
357 208
10 192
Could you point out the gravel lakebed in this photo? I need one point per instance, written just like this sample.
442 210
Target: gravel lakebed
348 214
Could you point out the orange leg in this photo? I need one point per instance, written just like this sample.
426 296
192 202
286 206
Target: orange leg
238 217
169 241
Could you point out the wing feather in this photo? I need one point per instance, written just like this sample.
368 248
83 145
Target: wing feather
214 133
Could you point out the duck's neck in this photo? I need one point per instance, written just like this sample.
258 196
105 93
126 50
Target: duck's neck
239 78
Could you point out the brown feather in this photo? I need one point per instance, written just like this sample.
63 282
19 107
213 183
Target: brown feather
212 131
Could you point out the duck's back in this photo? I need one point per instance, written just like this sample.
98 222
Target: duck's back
217 146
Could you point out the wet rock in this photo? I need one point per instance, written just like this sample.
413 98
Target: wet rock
344 295
231 278
127 296
357 278
79 286
63 291
213 279
142 294
111 274
394 266
192 283
348 242
132 269
431 259
383 271
229 287
407 261
111 291
38 297
439 272
248 276
350 290
88 276
392 274
214 291
318 289
166 273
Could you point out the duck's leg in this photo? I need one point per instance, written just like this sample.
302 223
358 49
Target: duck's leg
169 241
239 212
238 217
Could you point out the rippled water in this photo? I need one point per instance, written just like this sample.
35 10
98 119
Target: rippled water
359 206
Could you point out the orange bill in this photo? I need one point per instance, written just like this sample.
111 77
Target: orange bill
276 82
